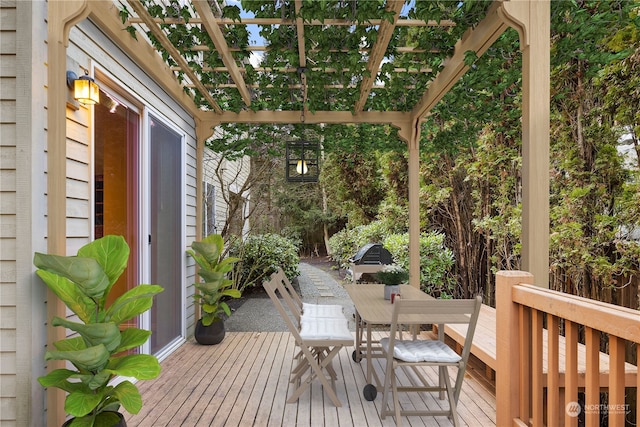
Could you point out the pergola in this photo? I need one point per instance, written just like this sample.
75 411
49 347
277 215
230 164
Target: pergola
188 68
203 76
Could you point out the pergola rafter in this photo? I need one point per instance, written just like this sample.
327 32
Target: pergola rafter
208 22
385 31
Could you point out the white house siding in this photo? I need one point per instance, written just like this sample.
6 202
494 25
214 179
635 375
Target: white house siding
234 176
22 209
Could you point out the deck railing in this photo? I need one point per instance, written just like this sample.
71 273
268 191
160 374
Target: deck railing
542 363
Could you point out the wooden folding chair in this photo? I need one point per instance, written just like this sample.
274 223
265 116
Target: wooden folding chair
303 309
319 341
419 352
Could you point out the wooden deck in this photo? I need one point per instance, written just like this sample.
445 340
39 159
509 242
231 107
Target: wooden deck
244 381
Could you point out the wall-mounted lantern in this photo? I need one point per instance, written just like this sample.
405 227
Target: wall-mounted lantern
303 161
85 89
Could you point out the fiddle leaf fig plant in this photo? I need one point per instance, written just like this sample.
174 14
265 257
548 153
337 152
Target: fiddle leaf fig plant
97 351
210 256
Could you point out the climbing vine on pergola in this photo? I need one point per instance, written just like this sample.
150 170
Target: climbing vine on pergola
316 56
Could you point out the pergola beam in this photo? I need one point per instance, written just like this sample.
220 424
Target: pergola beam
385 31
208 22
302 56
284 117
445 23
315 69
477 40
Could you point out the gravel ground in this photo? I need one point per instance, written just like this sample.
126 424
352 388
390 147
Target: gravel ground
317 285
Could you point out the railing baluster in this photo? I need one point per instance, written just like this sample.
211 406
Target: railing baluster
525 367
553 386
592 378
571 374
536 367
616 406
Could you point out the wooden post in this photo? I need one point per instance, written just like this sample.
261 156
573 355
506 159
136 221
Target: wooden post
507 346
61 16
532 19
411 134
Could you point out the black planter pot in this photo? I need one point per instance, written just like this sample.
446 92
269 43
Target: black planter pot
209 335
120 423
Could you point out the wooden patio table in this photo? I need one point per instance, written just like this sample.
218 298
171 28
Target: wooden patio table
372 309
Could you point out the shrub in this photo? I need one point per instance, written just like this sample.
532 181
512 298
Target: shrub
436 261
260 256
345 243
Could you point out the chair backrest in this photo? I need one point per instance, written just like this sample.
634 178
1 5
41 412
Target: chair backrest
289 287
438 312
276 290
277 285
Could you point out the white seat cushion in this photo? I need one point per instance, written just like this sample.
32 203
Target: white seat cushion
322 328
322 310
421 351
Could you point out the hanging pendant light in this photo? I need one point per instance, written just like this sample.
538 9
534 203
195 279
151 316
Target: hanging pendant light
302 161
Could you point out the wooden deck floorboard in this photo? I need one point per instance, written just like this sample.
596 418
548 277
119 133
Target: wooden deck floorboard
244 381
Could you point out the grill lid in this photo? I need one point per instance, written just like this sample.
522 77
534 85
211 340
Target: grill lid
372 253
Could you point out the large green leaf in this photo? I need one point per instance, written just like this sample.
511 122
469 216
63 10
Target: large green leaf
233 293
93 333
132 338
94 382
139 366
226 265
69 293
211 276
132 303
60 378
111 252
86 273
90 359
129 396
80 404
70 344
210 248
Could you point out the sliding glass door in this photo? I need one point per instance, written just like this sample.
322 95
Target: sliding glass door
165 232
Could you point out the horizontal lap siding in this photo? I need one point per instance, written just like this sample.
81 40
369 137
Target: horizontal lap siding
8 72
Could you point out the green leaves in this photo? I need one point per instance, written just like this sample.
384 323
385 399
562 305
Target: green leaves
83 283
86 273
139 366
214 267
89 359
93 334
132 303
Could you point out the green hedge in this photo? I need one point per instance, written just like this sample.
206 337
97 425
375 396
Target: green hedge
260 256
436 259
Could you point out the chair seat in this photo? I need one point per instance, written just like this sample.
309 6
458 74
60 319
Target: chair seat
322 310
325 329
422 351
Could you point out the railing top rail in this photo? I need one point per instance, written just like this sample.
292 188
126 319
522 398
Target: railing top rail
615 320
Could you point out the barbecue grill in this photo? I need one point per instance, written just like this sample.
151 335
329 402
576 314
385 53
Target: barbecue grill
370 258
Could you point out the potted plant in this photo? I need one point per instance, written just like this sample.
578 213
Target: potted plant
97 353
216 286
392 276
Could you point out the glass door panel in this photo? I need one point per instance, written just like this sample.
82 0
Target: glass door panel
116 183
165 238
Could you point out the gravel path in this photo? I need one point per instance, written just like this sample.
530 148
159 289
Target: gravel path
316 286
